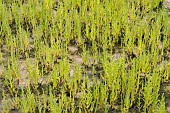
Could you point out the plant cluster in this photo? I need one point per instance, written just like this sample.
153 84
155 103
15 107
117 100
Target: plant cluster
84 56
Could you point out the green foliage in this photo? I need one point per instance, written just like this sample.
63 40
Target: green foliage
84 55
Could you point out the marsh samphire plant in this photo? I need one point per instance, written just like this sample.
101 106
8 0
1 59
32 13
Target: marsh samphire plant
85 56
